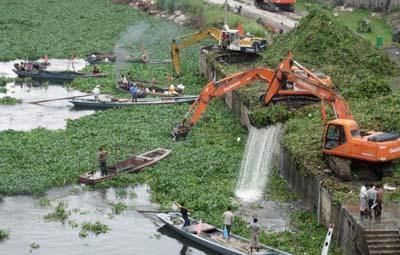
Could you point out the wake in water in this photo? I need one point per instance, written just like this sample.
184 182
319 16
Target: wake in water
257 162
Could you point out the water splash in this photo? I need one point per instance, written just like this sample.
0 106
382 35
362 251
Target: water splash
257 162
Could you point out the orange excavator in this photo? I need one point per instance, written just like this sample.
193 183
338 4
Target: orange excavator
342 142
275 5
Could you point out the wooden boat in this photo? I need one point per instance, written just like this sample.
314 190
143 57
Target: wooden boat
135 164
152 90
146 91
213 238
100 58
55 75
32 64
117 103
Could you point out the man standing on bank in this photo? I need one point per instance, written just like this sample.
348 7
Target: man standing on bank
103 161
228 220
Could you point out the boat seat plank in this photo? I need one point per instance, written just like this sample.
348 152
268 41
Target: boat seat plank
244 247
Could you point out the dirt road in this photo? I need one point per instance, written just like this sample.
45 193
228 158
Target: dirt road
285 20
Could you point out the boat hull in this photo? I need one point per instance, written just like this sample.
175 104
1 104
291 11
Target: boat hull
135 164
102 105
212 238
55 75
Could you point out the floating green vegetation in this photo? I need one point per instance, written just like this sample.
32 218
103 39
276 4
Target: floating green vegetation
3 90
44 202
96 228
305 232
4 234
262 116
277 188
9 100
118 208
60 213
4 81
34 245
121 193
61 29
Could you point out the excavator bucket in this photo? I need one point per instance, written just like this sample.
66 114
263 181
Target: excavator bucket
180 131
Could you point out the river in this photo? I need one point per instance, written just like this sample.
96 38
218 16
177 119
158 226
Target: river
131 232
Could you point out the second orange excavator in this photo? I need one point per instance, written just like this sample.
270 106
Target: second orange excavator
342 140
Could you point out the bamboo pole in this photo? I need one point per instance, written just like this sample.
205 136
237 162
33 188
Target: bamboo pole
56 99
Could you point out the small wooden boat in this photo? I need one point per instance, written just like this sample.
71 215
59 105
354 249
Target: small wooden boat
209 236
117 103
32 65
146 91
55 75
135 164
100 58
154 90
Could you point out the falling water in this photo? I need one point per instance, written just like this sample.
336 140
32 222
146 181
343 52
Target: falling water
257 162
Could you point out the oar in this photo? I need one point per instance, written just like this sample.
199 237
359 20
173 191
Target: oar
56 99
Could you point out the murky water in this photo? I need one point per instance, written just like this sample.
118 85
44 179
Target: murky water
55 65
131 232
50 115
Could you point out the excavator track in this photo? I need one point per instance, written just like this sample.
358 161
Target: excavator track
341 167
235 57
347 169
295 101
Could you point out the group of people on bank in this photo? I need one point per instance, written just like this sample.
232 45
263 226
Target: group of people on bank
371 199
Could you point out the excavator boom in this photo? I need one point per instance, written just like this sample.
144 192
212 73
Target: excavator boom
187 40
227 39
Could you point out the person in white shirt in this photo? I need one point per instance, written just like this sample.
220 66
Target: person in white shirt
363 200
371 198
96 93
228 220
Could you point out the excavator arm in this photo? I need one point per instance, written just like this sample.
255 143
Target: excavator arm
187 40
217 89
290 71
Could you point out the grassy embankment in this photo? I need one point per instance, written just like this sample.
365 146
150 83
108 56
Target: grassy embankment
351 18
361 73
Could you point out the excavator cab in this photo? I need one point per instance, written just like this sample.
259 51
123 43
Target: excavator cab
334 136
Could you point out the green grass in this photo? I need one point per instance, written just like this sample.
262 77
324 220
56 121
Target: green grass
379 26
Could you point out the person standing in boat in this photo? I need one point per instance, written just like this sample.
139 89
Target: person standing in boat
103 161
96 69
96 93
185 213
228 220
255 232
134 92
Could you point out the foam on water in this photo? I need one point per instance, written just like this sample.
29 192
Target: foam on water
257 162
